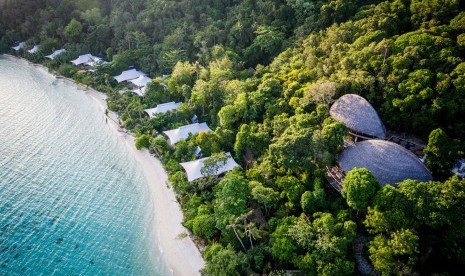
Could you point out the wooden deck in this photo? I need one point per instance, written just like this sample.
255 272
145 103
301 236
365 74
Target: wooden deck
335 176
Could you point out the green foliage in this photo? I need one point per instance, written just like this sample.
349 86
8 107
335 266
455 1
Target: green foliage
314 201
67 70
405 57
204 226
225 261
326 241
73 31
441 153
394 255
359 188
142 141
231 199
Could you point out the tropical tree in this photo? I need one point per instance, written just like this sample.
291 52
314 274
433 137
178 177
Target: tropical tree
359 188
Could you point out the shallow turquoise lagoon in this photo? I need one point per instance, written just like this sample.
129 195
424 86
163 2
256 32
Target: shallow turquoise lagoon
72 200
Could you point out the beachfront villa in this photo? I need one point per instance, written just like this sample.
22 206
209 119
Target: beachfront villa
194 168
56 53
34 50
140 84
175 135
162 108
359 116
20 46
128 75
86 60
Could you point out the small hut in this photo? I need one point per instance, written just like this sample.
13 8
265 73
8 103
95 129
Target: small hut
34 50
56 53
194 168
85 60
359 116
20 46
140 84
389 163
175 135
162 108
128 75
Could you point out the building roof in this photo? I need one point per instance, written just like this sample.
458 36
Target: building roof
162 108
389 162
34 50
358 115
128 75
175 135
142 80
459 168
139 91
56 53
194 168
20 46
83 59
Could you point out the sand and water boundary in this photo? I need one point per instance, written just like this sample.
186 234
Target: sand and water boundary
178 252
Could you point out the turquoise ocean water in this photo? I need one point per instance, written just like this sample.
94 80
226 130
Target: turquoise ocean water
72 200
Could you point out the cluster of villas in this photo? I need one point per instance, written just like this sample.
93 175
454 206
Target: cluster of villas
138 81
390 159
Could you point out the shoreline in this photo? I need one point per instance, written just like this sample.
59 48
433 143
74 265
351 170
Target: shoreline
179 254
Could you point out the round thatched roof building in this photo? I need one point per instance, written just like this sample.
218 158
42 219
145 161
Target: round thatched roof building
358 115
388 162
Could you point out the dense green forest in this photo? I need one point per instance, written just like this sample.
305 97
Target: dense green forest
261 73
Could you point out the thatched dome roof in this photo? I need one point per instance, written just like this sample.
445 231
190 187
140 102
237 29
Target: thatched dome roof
387 161
358 114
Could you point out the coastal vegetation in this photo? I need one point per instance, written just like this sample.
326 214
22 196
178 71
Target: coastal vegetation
262 74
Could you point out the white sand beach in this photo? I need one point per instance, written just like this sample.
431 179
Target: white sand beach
180 255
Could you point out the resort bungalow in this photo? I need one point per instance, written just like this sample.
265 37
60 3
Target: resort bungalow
194 168
162 108
175 135
85 60
20 46
359 117
56 53
128 75
389 162
34 50
139 84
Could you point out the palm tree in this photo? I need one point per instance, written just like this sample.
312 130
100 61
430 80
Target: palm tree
234 226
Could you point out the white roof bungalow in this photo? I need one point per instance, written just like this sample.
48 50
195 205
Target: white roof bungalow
83 59
141 81
194 168
162 108
96 61
56 53
140 84
20 46
139 91
175 135
34 50
128 75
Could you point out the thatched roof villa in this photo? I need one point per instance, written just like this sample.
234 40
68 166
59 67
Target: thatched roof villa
359 116
389 163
